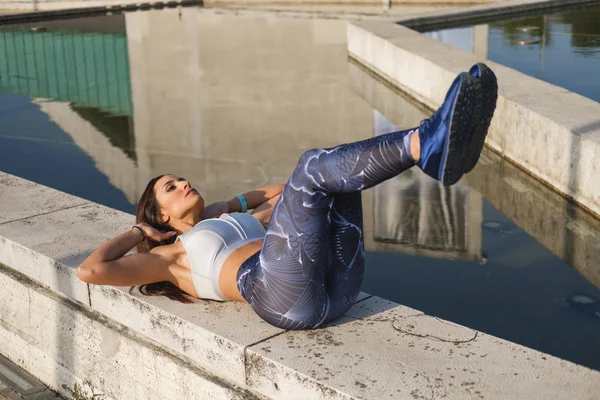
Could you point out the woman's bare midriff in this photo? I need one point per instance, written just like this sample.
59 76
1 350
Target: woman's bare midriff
227 278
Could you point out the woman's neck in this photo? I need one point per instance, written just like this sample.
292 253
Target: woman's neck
185 224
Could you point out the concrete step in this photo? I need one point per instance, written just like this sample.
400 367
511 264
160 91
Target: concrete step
17 384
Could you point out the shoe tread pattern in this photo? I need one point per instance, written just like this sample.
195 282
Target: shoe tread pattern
463 129
489 85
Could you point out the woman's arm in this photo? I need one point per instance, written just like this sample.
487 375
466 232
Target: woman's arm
265 210
107 265
254 199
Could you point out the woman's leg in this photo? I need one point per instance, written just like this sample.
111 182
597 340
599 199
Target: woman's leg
287 283
346 267
312 257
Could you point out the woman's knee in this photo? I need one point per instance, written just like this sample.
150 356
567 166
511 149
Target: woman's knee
304 173
309 155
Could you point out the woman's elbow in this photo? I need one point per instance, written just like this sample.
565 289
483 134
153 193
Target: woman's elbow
89 273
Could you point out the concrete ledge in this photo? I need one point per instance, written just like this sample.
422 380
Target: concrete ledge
41 5
488 12
344 2
552 133
83 355
90 341
26 11
49 9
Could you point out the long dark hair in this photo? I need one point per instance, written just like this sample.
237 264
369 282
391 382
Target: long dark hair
148 211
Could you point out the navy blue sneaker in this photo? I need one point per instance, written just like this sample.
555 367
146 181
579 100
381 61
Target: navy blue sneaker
489 86
445 137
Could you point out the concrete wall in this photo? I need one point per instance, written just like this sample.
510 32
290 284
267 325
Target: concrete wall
84 355
40 5
100 342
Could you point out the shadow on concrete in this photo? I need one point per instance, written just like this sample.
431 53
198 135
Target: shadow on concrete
583 129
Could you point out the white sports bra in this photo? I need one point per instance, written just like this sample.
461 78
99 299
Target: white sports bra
210 242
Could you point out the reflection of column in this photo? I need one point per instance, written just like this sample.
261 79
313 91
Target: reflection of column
480 40
415 214
165 73
565 229
221 100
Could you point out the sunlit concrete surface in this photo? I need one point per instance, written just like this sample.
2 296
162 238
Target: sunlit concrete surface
93 340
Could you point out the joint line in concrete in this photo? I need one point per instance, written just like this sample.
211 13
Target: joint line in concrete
263 340
45 213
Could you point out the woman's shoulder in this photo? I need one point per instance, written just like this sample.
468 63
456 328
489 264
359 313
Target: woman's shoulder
170 251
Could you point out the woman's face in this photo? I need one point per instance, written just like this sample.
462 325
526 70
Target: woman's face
177 198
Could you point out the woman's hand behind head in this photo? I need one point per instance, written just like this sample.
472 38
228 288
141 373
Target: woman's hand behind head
154 234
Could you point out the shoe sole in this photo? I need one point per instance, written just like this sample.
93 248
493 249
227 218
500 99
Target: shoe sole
466 112
489 86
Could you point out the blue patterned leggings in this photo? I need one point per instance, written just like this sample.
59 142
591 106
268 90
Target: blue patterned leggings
311 265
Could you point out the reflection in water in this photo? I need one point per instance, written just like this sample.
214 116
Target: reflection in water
569 232
222 100
117 128
585 30
582 26
561 48
87 69
531 29
417 215
584 304
523 293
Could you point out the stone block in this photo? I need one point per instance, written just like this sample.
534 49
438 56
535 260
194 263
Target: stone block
383 350
21 198
213 334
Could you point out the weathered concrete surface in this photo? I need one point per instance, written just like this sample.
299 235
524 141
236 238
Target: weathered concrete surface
16 192
380 350
550 132
140 348
27 208
207 332
84 355
349 2
17 384
212 334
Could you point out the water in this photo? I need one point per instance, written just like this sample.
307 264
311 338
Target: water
560 48
230 102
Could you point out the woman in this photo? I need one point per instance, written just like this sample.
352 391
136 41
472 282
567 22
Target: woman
306 268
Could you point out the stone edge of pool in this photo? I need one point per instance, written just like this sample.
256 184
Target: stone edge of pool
86 340
550 132
46 5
